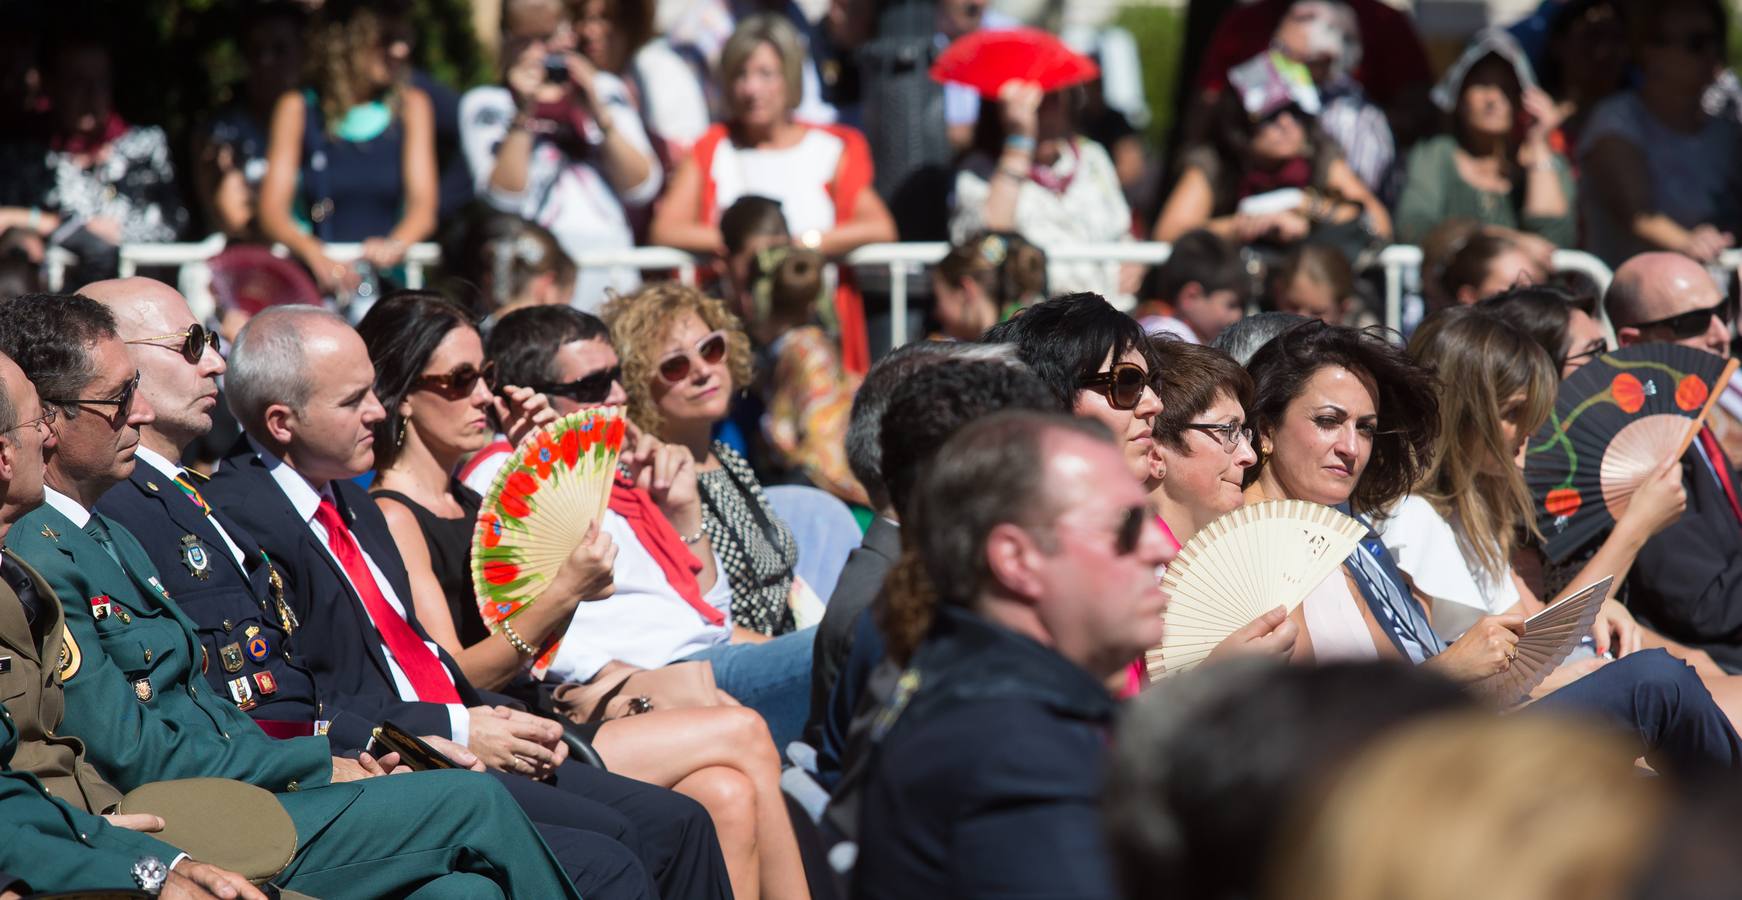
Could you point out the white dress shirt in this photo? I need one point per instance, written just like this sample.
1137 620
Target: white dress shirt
306 500
170 470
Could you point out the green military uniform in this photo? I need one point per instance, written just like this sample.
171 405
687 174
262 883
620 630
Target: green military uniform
135 696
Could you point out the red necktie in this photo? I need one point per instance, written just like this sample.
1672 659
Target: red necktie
1721 466
422 668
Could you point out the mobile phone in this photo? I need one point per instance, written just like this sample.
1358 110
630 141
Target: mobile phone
556 68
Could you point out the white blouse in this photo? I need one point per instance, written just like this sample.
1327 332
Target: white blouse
1427 550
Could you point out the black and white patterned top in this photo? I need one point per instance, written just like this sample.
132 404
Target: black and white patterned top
755 548
134 184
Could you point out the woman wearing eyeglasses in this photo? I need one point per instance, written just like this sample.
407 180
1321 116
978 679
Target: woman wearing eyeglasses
1203 446
684 356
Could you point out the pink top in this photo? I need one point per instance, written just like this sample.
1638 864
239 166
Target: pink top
1138 674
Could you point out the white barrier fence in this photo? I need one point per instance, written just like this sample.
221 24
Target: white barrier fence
1400 263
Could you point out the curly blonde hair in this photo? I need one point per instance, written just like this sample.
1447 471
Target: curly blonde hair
337 48
640 323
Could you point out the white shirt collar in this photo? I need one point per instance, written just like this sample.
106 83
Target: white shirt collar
157 461
303 496
66 506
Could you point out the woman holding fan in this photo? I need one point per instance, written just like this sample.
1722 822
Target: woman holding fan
432 379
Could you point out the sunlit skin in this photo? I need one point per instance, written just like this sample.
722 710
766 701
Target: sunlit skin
1320 448
705 394
98 443
447 421
1205 481
1585 340
330 437
1669 284
1132 428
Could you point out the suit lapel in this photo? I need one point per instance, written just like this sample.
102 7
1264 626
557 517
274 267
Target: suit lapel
15 632
184 514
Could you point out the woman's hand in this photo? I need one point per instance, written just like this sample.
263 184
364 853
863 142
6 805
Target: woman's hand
1660 499
1616 628
1545 117
1021 100
668 473
1705 243
586 89
1270 635
1486 649
522 410
525 76
334 278
383 253
586 574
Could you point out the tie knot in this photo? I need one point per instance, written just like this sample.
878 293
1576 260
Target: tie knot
97 530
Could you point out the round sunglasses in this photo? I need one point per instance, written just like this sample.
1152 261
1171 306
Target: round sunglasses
678 366
1122 385
193 342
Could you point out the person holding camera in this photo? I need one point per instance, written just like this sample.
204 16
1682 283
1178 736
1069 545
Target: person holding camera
559 143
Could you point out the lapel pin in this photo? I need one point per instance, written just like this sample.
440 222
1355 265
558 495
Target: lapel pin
50 533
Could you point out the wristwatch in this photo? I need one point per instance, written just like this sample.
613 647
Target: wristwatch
150 873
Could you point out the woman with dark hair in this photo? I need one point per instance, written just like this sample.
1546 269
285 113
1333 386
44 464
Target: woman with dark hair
1203 445
1495 166
353 158
984 280
1488 261
1096 361
1548 317
1263 141
433 381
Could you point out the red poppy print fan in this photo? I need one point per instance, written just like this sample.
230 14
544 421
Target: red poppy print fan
1615 421
537 511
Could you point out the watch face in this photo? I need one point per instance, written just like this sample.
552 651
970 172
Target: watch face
150 873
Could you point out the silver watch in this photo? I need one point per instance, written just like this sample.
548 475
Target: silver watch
150 873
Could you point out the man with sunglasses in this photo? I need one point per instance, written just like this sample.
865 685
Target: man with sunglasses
1686 583
130 663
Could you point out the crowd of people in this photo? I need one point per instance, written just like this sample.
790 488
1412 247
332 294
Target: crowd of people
857 620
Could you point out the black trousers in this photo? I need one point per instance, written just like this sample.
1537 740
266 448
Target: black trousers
670 835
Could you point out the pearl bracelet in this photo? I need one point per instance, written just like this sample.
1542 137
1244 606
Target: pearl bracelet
514 640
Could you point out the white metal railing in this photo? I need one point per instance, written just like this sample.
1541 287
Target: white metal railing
418 258
1400 261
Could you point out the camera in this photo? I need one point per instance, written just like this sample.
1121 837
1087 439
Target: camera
556 68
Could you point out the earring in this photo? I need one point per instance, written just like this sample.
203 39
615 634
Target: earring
399 439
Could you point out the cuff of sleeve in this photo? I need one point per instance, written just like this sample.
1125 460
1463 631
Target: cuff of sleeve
460 720
177 861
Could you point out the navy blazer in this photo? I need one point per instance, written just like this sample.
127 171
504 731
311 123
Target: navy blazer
337 640
1687 581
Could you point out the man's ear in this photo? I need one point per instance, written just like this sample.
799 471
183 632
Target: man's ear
1013 557
1627 336
279 421
8 461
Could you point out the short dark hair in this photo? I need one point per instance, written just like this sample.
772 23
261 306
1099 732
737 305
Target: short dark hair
1188 381
524 343
1539 313
983 476
934 402
402 332
1409 406
1068 338
1209 767
1202 257
750 216
50 337
1468 264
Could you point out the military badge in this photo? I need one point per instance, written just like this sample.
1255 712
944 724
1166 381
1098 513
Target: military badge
230 657
195 557
258 649
242 692
70 658
142 690
101 607
266 683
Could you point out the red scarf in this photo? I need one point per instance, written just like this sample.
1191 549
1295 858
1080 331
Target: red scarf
83 143
668 550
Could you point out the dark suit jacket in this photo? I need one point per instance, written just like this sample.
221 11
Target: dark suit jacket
861 579
1687 581
230 605
337 641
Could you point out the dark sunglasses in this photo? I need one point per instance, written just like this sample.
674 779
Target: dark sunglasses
194 342
460 381
1122 385
1694 323
123 403
709 350
587 390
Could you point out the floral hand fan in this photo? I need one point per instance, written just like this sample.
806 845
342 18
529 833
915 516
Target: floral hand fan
552 489
1549 636
1616 420
1242 565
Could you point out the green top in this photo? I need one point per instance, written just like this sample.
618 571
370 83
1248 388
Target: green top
1434 192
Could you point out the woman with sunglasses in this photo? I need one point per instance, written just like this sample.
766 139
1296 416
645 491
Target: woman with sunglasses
432 379
684 356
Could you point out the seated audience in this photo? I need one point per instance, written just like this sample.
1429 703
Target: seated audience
665 606
1488 262
984 280
510 263
1204 282
1495 165
618 36
1548 316
1657 168
230 149
561 147
352 158
1324 36
1203 446
1585 62
425 350
751 225
1316 282
807 393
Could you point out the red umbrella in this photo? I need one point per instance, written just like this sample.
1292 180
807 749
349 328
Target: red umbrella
987 60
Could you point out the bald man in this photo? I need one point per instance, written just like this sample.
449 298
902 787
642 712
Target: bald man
1687 581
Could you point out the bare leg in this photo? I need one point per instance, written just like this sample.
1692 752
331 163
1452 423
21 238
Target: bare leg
668 747
730 800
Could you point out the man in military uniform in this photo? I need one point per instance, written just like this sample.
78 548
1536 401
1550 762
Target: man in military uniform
133 695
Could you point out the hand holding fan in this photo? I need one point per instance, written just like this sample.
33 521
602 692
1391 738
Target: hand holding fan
1549 636
1615 421
1243 565
554 487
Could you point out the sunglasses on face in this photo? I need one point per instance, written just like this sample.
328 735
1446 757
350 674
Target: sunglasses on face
193 342
460 381
1228 434
588 390
1122 385
709 351
1694 323
123 402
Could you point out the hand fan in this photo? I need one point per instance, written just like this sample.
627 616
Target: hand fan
1616 420
555 485
1548 637
1243 565
985 60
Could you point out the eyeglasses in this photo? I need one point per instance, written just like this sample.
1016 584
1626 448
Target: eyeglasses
1122 385
123 403
194 342
1596 348
709 351
586 390
1228 434
460 381
1694 323
45 420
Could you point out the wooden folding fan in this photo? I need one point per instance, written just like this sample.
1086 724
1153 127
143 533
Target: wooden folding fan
1242 565
537 511
1549 636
